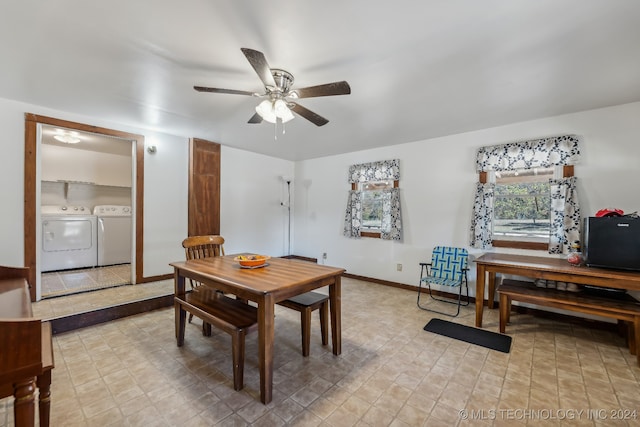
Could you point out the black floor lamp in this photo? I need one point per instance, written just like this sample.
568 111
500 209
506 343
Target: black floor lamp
288 180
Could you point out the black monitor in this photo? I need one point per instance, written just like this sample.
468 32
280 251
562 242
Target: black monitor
612 242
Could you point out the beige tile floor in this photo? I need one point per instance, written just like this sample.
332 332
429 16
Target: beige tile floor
129 372
87 301
58 283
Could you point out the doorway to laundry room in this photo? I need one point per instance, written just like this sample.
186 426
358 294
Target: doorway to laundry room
86 206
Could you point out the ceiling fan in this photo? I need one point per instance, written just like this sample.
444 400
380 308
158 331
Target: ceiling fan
279 103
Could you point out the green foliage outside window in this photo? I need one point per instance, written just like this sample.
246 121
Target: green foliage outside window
372 209
372 203
522 209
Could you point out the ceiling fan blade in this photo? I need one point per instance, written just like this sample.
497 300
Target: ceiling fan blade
256 118
229 91
308 114
260 65
329 89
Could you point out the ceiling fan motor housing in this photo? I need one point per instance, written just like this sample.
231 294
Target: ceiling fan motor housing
283 79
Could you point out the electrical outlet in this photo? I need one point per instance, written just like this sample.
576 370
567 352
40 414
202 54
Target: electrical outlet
399 267
324 255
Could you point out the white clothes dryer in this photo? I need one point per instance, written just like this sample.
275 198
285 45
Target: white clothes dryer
68 238
114 234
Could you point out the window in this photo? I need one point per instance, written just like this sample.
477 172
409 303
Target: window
509 211
372 204
522 205
522 216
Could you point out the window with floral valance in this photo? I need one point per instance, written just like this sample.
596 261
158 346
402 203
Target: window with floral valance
383 175
539 153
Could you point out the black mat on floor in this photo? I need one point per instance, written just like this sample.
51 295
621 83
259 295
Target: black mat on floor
471 335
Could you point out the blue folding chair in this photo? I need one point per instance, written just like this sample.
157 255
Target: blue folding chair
448 267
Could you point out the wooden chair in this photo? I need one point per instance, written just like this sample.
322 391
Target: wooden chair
26 352
197 247
305 304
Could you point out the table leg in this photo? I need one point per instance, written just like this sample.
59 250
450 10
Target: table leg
266 321
44 405
335 297
24 403
180 314
480 273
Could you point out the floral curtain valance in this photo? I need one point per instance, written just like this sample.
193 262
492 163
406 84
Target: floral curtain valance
545 152
375 171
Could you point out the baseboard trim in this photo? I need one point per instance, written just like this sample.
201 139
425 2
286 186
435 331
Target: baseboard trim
302 258
435 292
156 278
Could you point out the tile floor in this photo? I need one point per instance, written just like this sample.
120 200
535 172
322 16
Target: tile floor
88 301
129 372
68 282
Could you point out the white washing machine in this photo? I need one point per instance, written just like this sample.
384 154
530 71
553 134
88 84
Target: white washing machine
68 238
114 234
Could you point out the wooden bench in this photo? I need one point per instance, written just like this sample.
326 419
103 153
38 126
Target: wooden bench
621 310
230 315
305 304
26 352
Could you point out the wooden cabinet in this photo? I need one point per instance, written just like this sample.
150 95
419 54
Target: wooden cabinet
26 355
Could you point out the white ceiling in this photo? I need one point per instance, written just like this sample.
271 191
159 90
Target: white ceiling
417 69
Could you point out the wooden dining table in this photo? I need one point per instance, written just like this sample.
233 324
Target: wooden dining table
266 286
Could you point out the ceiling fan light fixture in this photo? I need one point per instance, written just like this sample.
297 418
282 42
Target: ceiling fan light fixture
282 111
266 111
271 111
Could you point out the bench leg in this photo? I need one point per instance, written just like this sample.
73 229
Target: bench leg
181 318
237 351
206 329
44 405
636 336
324 322
491 289
305 327
504 312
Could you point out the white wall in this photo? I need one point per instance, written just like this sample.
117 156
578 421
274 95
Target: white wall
71 164
251 216
165 201
12 183
437 184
